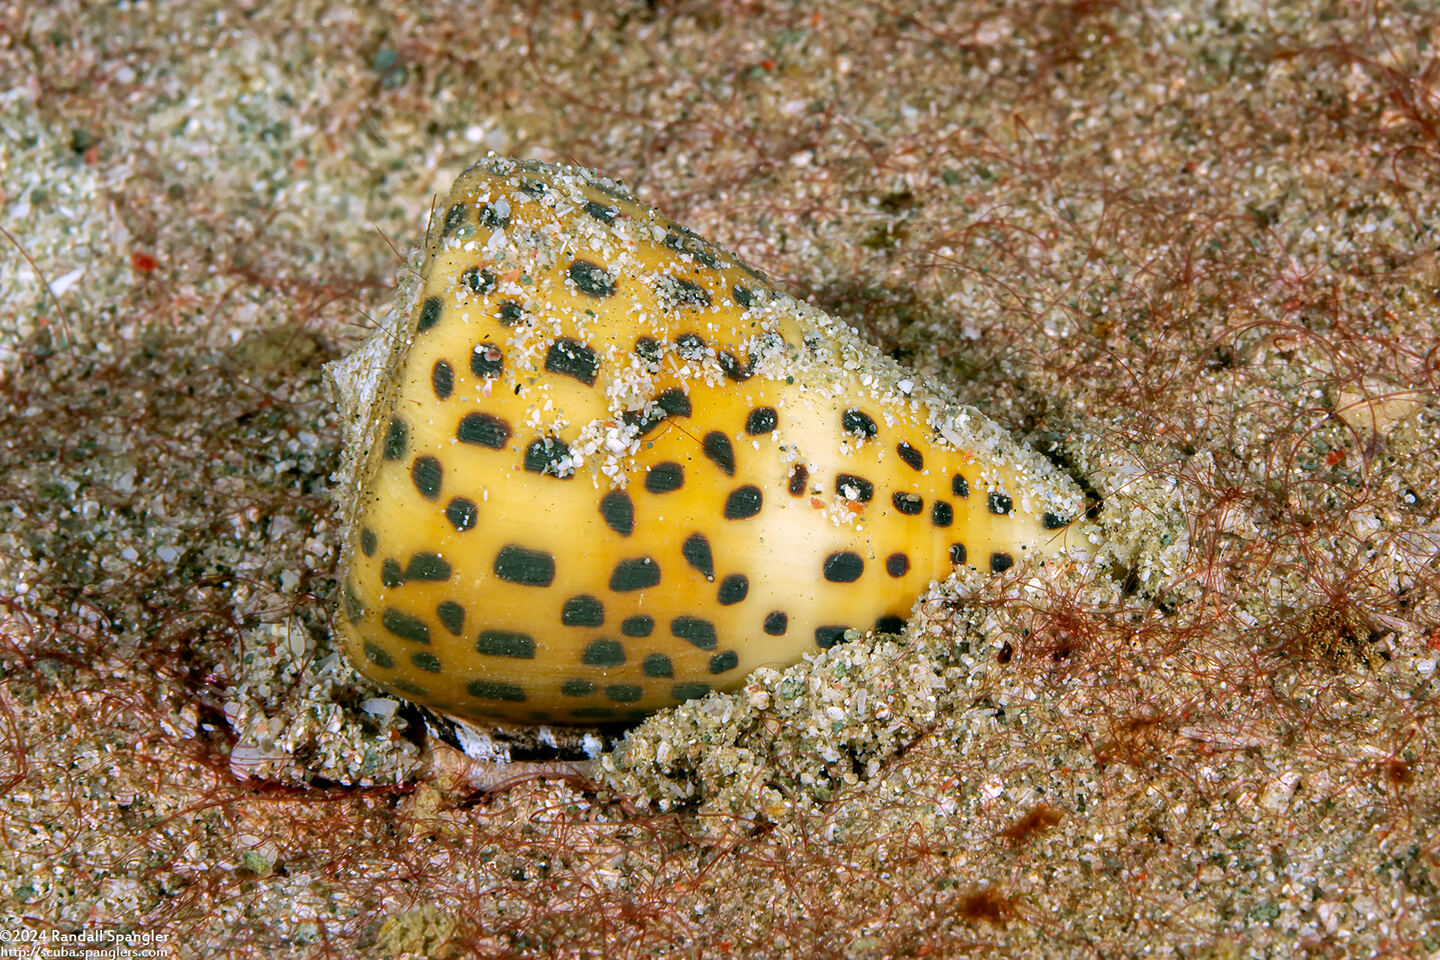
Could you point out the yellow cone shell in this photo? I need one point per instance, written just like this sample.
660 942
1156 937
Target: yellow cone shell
601 466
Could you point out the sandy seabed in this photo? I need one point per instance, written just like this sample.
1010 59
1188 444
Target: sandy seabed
1187 250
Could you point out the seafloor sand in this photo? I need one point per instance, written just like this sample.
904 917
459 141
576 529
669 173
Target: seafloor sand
1191 253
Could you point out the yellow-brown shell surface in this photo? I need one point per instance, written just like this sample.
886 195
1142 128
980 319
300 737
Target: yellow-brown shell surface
603 467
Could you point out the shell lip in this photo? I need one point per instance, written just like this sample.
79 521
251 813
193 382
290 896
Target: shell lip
497 740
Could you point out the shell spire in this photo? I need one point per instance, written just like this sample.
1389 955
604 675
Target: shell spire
599 466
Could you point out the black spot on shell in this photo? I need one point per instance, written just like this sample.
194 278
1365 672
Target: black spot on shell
451 616
506 643
582 610
913 458
624 692
910 504
461 513
405 626
721 662
743 296
545 454
761 420
957 553
777 622
592 279
412 689
694 630
487 361
492 218
799 477
851 487
442 380
999 503
897 564
696 551
743 502
638 626
605 214
534 188
426 661
511 313
603 653
674 402
1001 561
530 568
1053 521
644 421
634 573
495 690
685 241
959 486
572 359
397 439
577 687
858 423
692 690
648 349
390 573
685 293
941 514
733 589
426 474
429 314
890 624
368 541
843 566
483 430
478 280
829 635
611 189
618 510
354 609
454 219
657 665
735 368
718 448
378 656
691 346
665 477
427 566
